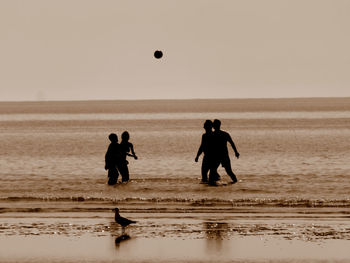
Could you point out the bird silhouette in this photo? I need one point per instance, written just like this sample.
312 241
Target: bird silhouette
124 222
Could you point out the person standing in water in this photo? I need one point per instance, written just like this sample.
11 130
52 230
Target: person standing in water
126 147
207 147
221 138
112 158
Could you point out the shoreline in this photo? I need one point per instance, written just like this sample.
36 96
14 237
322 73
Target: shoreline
255 205
174 237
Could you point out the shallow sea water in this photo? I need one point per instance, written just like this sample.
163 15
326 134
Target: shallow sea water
299 153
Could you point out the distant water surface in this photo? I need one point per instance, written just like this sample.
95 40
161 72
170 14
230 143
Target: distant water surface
294 152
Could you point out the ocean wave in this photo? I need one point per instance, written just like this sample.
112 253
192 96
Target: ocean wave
80 203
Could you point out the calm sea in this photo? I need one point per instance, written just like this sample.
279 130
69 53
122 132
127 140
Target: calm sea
294 153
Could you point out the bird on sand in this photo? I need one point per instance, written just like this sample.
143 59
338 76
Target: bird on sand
122 220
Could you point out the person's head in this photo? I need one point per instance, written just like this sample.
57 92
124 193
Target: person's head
216 124
208 125
125 136
113 137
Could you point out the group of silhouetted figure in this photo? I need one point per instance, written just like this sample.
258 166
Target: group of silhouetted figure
214 146
115 158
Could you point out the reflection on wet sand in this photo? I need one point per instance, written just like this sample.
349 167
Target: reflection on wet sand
215 232
166 238
120 239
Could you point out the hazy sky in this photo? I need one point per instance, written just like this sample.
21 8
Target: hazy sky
81 49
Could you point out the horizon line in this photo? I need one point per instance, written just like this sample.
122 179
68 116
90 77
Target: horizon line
177 99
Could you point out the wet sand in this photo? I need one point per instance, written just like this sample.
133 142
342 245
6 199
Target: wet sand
104 249
175 237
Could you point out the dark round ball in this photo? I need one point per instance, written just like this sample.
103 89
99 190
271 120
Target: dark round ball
158 54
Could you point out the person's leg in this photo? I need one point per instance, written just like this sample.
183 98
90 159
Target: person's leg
227 165
126 174
124 171
214 175
112 175
205 169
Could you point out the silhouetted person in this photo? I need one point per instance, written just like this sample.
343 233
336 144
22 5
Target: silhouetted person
221 138
112 158
126 148
207 147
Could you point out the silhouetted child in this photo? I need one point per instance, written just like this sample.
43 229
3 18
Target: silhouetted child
209 160
112 158
221 138
126 148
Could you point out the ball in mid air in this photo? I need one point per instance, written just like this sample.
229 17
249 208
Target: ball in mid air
158 54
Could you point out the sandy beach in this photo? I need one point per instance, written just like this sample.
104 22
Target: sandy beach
239 235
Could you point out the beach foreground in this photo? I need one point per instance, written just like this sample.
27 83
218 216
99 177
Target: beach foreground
233 236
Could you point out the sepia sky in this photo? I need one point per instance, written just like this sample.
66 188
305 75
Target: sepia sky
83 49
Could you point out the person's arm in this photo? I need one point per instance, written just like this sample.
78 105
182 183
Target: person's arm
229 139
200 150
107 157
132 151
